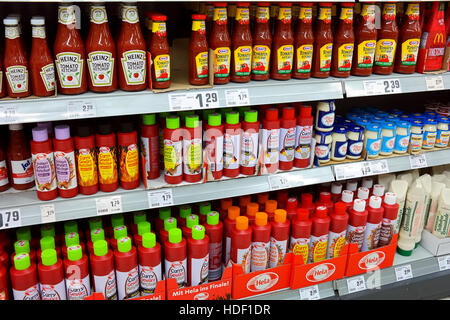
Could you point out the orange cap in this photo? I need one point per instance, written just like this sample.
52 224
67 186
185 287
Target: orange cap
262 197
261 218
252 208
226 203
271 206
233 212
244 200
242 223
280 215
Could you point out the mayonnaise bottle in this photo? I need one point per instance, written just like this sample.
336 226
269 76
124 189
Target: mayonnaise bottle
339 144
416 135
443 132
386 179
325 116
442 221
429 134
425 180
402 136
436 189
388 132
372 140
399 187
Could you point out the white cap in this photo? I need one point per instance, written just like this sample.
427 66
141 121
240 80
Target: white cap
15 126
336 188
367 183
37 21
375 202
363 193
378 190
11 21
347 196
390 198
359 205
351 185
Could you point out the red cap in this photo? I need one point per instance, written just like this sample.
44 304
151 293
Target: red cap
340 208
271 114
305 111
321 211
306 4
306 199
339 218
285 4
325 4
288 113
243 4
324 197
375 211
321 222
347 4
198 16
220 4
263 4
159 17
302 214
301 224
291 204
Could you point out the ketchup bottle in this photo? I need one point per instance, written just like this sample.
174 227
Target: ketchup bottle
250 212
303 137
241 243
191 221
192 149
149 147
279 238
243 202
72 226
224 205
2 85
304 42
213 137
24 233
51 276
4 283
232 145
107 158
23 246
169 223
48 242
270 140
93 224
173 151
96 235
307 203
344 42
250 142
241 45
300 234
357 223
65 165
291 208
228 224
389 221
20 163
260 242
287 138
160 53
120 232
176 257
204 209
24 281
262 43
261 199
283 44
185 211
347 198
143 227
198 52
102 268
198 256
336 191
319 235
220 43
4 179
214 231
125 260
387 41
76 270
373 225
338 230
270 208
149 253
128 156
86 160
43 164
367 183
323 42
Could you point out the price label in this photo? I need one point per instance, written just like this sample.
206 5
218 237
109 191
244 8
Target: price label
375 167
356 284
348 171
434 83
108 205
379 87
237 97
277 182
8 114
48 213
444 263
310 293
403 272
419 161
81 109
10 218
160 198
194 100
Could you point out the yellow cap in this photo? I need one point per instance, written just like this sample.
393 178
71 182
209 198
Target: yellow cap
280 215
261 218
242 223
252 209
233 212
271 206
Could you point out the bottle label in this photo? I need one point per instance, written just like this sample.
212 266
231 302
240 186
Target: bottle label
129 163
66 15
287 144
48 76
325 14
401 142
128 283
387 144
325 119
416 141
385 52
86 168
278 251
303 152
285 56
192 156
356 235
303 136
322 152
65 170
78 289
3 173
172 157
162 67
227 251
373 146
53 291
366 52
177 271
249 149
442 138
148 278
199 270
145 154
98 14
215 260
101 68
368 13
371 236
201 64
389 12
285 14
305 14
215 153
17 77
130 14
12 33
354 148
260 59
231 151
325 57
244 257
38 32
222 57
220 15
412 11
429 139
262 14
107 165
243 15
270 142
387 231
106 285
300 246
346 15
199 26
410 50
31 293
304 58
69 66
340 150
133 65
345 56
159 28
260 256
335 243
44 171
318 248
242 60
22 171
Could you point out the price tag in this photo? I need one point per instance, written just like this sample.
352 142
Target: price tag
8 114
403 272
48 213
310 293
444 263
434 83
374 167
348 171
194 100
419 161
277 182
81 109
356 284
10 218
160 198
379 87
108 205
237 97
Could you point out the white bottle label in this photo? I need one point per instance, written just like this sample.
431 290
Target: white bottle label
270 142
53 291
65 170
48 76
260 256
231 151
127 283
215 261
101 68
106 285
98 14
335 243
199 270
3 173
249 149
66 15
32 293
69 66
227 250
130 14
78 289
356 235
371 236
287 144
277 252
145 152
178 271
215 153
44 171
22 171
192 156
244 257
300 246
149 277
17 77
12 33
134 66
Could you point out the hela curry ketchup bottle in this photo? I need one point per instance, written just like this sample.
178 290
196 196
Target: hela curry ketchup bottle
303 137
169 224
300 234
270 140
204 209
96 235
325 200
232 145
214 230
338 230
142 228
149 147
250 212
260 242
51 276
176 257
319 235
192 149
86 160
228 224
102 268
128 153
76 270
24 281
149 256
48 242
163 214
357 223
347 198
336 191
291 208
185 211
213 137
125 260
241 243
307 203
198 256
65 165
279 239
287 138
389 222
120 232
191 220
250 142
173 151
23 246
108 174
373 225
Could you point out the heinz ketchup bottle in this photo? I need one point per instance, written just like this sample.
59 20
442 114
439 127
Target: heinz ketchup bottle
176 257
24 281
108 176
51 276
260 242
149 257
125 260
65 166
76 270
300 234
102 268
319 235
241 243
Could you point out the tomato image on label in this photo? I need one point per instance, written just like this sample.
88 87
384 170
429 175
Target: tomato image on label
222 58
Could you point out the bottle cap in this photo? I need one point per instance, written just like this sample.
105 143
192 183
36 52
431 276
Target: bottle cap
390 198
170 223
97 234
351 185
149 119
191 220
10 21
159 17
139 216
271 114
95 223
47 243
347 196
307 199
252 209
198 16
261 218
148 240
72 238
243 4
378 190
172 122
120 232
143 227
321 211
367 183
22 246
375 202
185 210
124 244
226 203
22 261
242 223
214 119
117 220
305 111
204 208
83 131
288 113
340 207
126 126
47 230
261 198
359 205
232 117
49 257
198 232
212 218
302 214
164 213
62 132
100 248
291 204
251 116
363 193
70 226
336 188
104 128
220 4
324 197
192 121
23 233
271 206
233 212
280 215
175 235
74 253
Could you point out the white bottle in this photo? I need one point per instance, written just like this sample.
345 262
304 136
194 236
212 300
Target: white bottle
386 179
399 187
436 189
407 176
442 221
426 184
351 185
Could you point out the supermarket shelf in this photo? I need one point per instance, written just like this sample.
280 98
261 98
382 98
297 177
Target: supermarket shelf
141 1
326 292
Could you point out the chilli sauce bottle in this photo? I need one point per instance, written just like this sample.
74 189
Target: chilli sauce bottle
338 230
241 243
42 68
301 234
105 140
198 52
101 52
220 43
250 212
270 140
149 147
241 45
191 220
228 224
43 165
69 52
160 53
47 242
323 42
149 257
291 207
51 276
128 153
214 231
65 165
319 235
20 163
102 268
198 256
173 151
176 257
86 160
373 225
389 222
232 145
125 260
287 138
344 42
283 44
213 137
76 270
304 43
260 242
279 239
249 143
132 71
23 275
303 137
143 227
192 149
408 40
365 41
262 43
357 223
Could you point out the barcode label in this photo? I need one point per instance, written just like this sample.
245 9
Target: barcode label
8 114
108 205
80 109
434 83
237 97
160 198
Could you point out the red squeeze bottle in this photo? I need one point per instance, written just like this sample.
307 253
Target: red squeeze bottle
48 243
191 220
338 230
24 281
24 233
224 205
232 145
241 243
270 140
105 141
149 147
173 150
357 223
373 225
86 160
262 198
169 223
4 258
303 137
260 242
142 228
138 217
176 257
4 283
279 238
213 137
287 138
250 142
319 235
164 213
20 164
149 254
120 232
228 223
336 191
76 270
128 155
23 246
291 208
243 203
347 198
300 234
192 149
65 162
389 221
51 276
307 203
282 198
214 230
325 200
198 256
250 212
96 235
125 260
102 268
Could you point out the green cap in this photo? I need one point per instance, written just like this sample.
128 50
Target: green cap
49 257
215 119
185 210
404 252
205 208
164 213
47 230
192 121
139 216
232 117
143 227
22 246
148 240
97 234
47 243
251 116
170 223
191 220
212 218
95 223
70 226
172 122
124 244
120 232
117 220
175 235
148 119
72 239
243 110
23 233
206 113
74 253
22 261
198 232
100 248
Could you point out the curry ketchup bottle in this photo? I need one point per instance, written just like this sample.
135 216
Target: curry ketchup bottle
213 137
319 235
76 270
291 208
173 150
260 242
128 154
287 138
279 239
125 260
300 234
373 226
149 147
270 140
228 223
96 234
105 140
214 230
232 145
86 160
51 276
250 142
191 220
241 243
250 213
192 149
357 222
198 256
24 281
338 230
65 169
149 256
142 228
102 268
175 252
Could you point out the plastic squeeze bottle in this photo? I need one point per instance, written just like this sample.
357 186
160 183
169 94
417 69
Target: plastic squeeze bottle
228 223
250 142
224 205
287 138
23 246
303 137
400 188
241 243
347 198
119 232
373 225
319 235
51 276
282 197
204 209
232 145
23 276
243 202
213 138
102 268
336 191
250 213
301 234
338 230
270 140
176 257
262 198
184 211
96 234
173 150
198 256
307 203
389 222
191 220
357 222
149 147
270 207
65 162
441 223
143 228
150 271
169 223
426 182
164 213
105 141
260 242
48 243
138 217
125 260
291 208
214 230
436 189
192 149
76 271
279 239
325 200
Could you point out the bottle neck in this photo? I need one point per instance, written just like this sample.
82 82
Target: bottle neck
324 18
159 29
284 19
368 14
38 33
12 33
130 15
16 138
198 28
220 18
242 18
98 15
